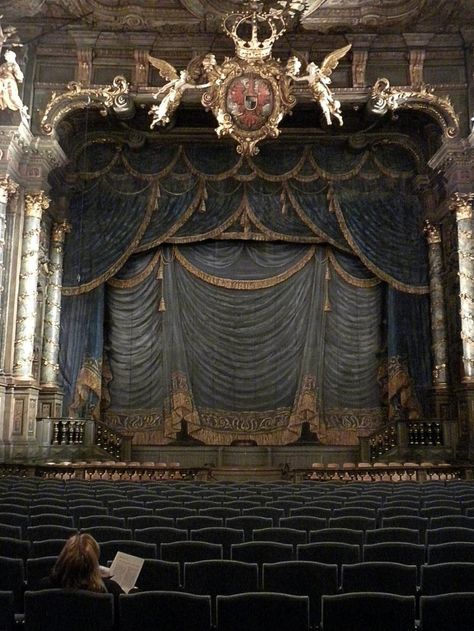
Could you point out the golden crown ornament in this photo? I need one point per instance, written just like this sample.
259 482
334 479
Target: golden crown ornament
250 93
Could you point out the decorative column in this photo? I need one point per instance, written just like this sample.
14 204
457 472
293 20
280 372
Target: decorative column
49 362
35 203
438 310
8 189
462 206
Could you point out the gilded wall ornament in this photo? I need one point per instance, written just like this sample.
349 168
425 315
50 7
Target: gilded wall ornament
386 98
250 93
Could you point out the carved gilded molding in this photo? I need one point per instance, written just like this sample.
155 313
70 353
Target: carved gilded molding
35 203
462 205
59 231
432 232
8 188
78 98
385 98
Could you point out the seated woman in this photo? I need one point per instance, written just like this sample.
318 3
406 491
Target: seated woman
77 567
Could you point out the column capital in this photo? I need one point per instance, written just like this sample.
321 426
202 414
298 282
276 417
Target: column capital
35 203
60 230
8 188
461 204
432 232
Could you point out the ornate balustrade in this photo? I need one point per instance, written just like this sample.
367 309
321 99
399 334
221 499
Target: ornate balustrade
172 472
409 440
117 444
425 433
80 436
64 431
108 470
382 441
381 472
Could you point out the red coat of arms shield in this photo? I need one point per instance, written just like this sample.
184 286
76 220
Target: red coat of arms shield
250 101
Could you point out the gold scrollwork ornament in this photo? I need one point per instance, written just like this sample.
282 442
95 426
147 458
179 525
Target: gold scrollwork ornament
250 93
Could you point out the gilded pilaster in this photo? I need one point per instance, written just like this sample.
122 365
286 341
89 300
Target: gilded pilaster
35 203
49 362
437 305
462 206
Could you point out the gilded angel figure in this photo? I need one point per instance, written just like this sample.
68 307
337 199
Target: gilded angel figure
318 79
177 85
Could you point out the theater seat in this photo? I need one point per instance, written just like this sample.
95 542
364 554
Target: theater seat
263 611
365 611
164 611
74 610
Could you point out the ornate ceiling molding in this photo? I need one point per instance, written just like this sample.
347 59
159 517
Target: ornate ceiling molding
137 15
350 16
389 15
23 8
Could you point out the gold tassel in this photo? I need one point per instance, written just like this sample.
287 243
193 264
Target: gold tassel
159 275
331 200
327 304
202 207
162 306
283 202
245 222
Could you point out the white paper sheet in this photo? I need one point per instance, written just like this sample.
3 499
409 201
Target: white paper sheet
125 569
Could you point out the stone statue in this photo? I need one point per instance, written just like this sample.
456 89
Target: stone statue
10 76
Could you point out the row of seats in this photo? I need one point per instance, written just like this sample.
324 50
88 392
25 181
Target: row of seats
263 611
293 530
155 539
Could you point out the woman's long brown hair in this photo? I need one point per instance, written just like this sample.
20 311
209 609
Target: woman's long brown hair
77 567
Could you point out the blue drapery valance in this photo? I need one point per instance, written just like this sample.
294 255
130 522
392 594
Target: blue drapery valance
359 201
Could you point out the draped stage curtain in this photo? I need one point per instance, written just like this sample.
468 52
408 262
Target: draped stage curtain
246 296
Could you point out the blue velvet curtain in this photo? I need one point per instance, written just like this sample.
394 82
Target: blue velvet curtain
246 296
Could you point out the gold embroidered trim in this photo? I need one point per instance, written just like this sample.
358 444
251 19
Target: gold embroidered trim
284 176
152 176
339 177
409 289
212 177
307 221
229 283
128 283
215 232
175 227
352 280
80 289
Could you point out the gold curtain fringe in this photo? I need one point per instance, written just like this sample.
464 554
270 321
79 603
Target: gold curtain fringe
363 283
128 283
313 227
306 158
86 287
162 305
409 289
229 283
174 228
339 177
213 234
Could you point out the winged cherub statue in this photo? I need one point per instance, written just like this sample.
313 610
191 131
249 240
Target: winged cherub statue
177 85
318 79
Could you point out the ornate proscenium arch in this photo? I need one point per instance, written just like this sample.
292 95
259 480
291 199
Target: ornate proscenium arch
385 98
381 98
76 97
